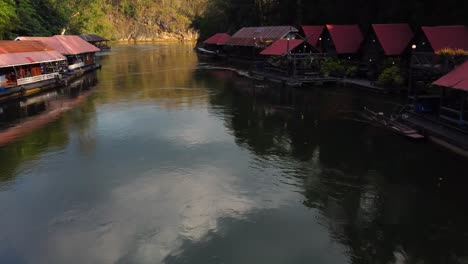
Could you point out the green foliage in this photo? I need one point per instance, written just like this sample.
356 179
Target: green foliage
338 68
7 17
391 77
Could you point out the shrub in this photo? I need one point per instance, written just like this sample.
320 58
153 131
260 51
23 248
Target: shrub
452 52
391 76
332 67
338 68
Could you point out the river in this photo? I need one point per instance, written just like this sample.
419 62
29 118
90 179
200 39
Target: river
163 161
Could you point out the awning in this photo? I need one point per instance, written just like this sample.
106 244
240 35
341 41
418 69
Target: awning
394 38
218 39
281 47
347 38
456 79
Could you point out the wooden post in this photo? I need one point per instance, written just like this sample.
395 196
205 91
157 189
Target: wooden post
462 107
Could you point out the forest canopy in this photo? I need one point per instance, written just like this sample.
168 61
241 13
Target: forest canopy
185 19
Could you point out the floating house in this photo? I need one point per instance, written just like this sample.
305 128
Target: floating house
213 47
28 62
386 43
79 53
454 98
97 41
248 42
216 42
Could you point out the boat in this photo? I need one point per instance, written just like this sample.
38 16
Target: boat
392 123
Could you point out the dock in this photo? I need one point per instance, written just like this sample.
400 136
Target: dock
27 90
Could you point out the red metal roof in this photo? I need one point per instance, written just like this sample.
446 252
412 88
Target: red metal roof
218 39
454 37
347 38
457 79
65 44
248 36
394 38
280 47
15 53
312 34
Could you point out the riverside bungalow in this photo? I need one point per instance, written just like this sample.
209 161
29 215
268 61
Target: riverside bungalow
28 62
79 53
97 41
248 42
386 43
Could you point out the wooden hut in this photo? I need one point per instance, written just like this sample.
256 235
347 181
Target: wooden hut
342 41
28 62
314 35
384 44
248 42
96 40
79 53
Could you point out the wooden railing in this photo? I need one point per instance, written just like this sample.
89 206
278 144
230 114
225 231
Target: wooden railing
37 78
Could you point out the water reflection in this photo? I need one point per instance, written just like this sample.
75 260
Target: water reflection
168 163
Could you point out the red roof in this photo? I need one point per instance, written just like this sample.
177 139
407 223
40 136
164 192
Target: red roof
280 47
454 37
218 39
347 38
65 44
457 79
15 53
312 34
248 36
394 38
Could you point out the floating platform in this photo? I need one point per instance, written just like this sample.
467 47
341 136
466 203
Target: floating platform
296 81
450 137
27 90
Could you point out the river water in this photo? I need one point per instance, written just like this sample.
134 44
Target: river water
163 161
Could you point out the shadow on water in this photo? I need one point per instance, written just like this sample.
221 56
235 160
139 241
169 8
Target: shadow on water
384 198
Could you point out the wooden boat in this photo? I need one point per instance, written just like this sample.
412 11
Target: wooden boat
209 54
392 123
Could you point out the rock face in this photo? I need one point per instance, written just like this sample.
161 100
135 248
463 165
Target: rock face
152 25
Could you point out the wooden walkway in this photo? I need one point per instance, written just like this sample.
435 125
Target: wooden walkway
364 84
